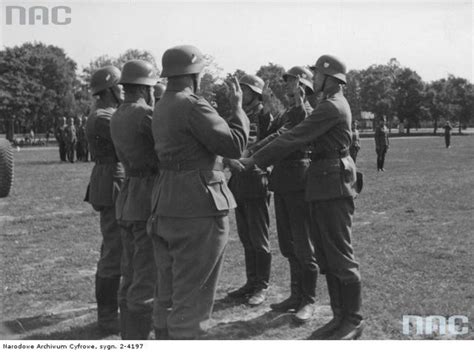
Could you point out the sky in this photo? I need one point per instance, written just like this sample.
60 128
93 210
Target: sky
435 38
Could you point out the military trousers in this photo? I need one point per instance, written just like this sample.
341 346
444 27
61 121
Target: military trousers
138 268
381 157
70 151
62 150
331 230
253 223
447 139
293 220
189 255
111 248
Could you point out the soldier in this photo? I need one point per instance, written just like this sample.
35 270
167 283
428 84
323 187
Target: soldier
158 91
85 144
80 131
355 145
381 143
292 212
191 200
70 139
131 133
59 133
250 189
105 181
447 133
330 186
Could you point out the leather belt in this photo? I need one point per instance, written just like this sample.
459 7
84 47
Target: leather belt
330 154
190 165
141 172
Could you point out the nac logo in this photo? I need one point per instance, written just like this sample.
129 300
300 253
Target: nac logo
58 15
435 324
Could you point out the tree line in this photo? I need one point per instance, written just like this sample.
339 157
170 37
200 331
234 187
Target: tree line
40 83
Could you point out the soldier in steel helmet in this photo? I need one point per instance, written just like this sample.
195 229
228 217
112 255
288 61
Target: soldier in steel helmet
71 139
191 200
330 188
250 189
105 181
292 212
60 135
131 133
381 143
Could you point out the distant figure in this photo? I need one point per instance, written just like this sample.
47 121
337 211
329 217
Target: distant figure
85 143
381 143
355 145
80 137
59 133
447 133
70 139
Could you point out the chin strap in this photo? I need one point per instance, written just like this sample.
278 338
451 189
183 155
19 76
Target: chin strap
117 99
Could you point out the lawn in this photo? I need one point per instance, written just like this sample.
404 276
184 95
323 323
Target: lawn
413 236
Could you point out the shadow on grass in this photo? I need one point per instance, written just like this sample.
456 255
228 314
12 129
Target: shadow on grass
246 329
85 332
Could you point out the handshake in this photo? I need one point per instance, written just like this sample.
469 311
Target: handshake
242 164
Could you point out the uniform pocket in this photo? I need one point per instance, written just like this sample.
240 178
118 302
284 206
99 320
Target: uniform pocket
215 184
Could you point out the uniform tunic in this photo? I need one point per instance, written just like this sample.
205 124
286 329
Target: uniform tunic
191 202
381 145
330 181
131 133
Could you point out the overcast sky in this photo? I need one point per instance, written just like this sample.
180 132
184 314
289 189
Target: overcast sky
432 37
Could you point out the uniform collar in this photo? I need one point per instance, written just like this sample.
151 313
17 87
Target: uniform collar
330 92
135 99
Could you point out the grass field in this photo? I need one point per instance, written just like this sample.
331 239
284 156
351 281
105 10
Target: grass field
413 235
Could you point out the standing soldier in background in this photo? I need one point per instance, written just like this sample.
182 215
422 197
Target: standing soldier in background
292 212
447 133
158 91
381 143
330 186
60 135
85 143
106 179
250 189
131 133
71 139
191 200
80 132
355 145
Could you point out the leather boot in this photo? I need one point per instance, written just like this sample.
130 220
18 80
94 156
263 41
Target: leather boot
263 265
251 271
123 321
107 305
161 334
138 325
308 286
336 306
352 324
294 301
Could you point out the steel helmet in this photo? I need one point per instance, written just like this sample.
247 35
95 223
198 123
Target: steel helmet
304 75
182 60
331 66
159 90
105 77
255 83
138 72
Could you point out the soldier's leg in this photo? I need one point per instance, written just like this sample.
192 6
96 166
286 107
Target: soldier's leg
162 302
300 215
258 220
382 158
335 224
285 243
197 247
250 255
126 268
62 151
141 291
108 271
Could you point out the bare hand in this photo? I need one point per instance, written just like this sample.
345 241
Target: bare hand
248 163
235 95
298 93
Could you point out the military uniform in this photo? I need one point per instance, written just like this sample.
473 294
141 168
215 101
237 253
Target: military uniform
250 189
105 181
70 139
82 152
191 200
447 133
381 146
330 187
133 140
60 136
355 145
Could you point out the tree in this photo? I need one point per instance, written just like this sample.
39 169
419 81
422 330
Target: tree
273 73
37 84
409 89
352 93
